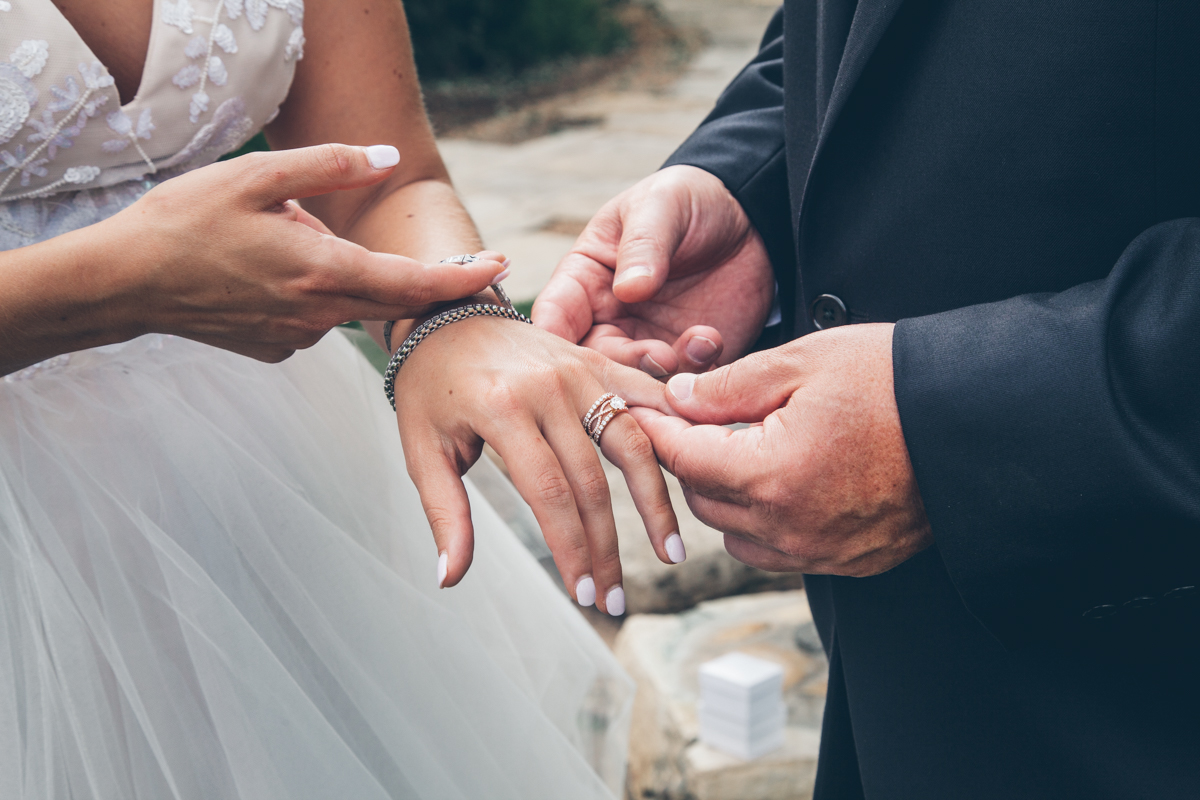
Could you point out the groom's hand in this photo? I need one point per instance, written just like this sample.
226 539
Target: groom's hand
823 484
668 277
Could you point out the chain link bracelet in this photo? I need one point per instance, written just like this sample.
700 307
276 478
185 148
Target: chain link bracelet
441 320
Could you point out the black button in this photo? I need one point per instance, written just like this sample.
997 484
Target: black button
1100 612
829 312
1141 602
1181 593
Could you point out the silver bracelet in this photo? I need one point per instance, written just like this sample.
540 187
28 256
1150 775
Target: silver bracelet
429 326
501 295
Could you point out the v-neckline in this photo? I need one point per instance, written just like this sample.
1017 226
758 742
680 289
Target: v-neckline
154 26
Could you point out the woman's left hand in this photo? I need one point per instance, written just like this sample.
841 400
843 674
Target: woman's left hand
525 391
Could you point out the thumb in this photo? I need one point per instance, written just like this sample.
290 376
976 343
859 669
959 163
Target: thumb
651 231
744 391
275 177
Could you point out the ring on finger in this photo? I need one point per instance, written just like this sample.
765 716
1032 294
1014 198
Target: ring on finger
601 413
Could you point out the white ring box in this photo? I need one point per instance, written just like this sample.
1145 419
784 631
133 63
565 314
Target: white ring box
741 705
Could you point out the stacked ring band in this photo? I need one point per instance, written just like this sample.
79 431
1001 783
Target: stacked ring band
601 413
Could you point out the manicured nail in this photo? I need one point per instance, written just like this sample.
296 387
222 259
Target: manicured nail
681 385
383 156
675 549
442 564
585 591
701 350
614 601
502 276
507 263
631 273
652 367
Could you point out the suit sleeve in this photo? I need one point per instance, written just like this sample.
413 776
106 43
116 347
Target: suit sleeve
1056 443
742 143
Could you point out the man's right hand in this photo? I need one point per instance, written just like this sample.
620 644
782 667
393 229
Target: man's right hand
669 276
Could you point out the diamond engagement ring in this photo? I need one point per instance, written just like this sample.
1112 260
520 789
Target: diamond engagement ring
601 413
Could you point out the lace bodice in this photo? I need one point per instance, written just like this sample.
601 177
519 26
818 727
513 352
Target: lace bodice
216 72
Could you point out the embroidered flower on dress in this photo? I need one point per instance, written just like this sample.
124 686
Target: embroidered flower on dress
123 126
30 57
178 13
17 99
19 162
295 46
224 39
81 175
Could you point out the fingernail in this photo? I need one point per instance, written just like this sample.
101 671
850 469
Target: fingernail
585 591
681 385
675 549
502 276
614 601
631 273
442 564
652 367
507 263
701 350
383 156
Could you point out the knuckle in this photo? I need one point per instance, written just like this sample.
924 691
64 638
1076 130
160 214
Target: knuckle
502 399
552 487
636 444
332 159
593 487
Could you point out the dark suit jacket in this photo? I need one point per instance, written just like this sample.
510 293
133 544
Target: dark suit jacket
1017 184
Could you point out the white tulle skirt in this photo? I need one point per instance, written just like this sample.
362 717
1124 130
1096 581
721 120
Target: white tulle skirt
216 582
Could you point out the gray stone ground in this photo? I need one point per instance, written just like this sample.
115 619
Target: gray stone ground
527 198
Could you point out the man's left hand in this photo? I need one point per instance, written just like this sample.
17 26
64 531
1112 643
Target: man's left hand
821 482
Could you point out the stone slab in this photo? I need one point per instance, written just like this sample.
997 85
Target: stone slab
663 654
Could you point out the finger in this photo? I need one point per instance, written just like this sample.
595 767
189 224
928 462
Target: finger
539 479
389 279
589 485
745 391
652 227
293 211
271 178
714 461
723 516
446 505
563 307
652 356
626 445
698 348
634 386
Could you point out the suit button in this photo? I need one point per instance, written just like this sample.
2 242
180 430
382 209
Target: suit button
1141 602
1181 593
829 312
1100 612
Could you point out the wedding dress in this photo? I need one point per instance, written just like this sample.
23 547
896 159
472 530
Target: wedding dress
216 580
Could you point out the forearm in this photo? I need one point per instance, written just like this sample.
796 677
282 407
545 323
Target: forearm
423 220
60 296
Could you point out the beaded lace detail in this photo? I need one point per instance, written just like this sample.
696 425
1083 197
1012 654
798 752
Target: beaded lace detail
62 127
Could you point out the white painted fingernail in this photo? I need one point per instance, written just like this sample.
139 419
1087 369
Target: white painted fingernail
507 263
585 591
502 276
443 560
675 549
681 385
614 601
633 272
383 156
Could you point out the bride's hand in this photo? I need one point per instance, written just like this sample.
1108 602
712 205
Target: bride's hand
223 256
525 392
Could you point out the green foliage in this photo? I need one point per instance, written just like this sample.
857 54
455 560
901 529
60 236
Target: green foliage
458 38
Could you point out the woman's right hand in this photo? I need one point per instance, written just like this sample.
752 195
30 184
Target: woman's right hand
224 255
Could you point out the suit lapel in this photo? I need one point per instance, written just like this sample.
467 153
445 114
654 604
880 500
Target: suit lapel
871 21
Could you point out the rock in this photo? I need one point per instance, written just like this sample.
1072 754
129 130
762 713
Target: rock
663 653
709 572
